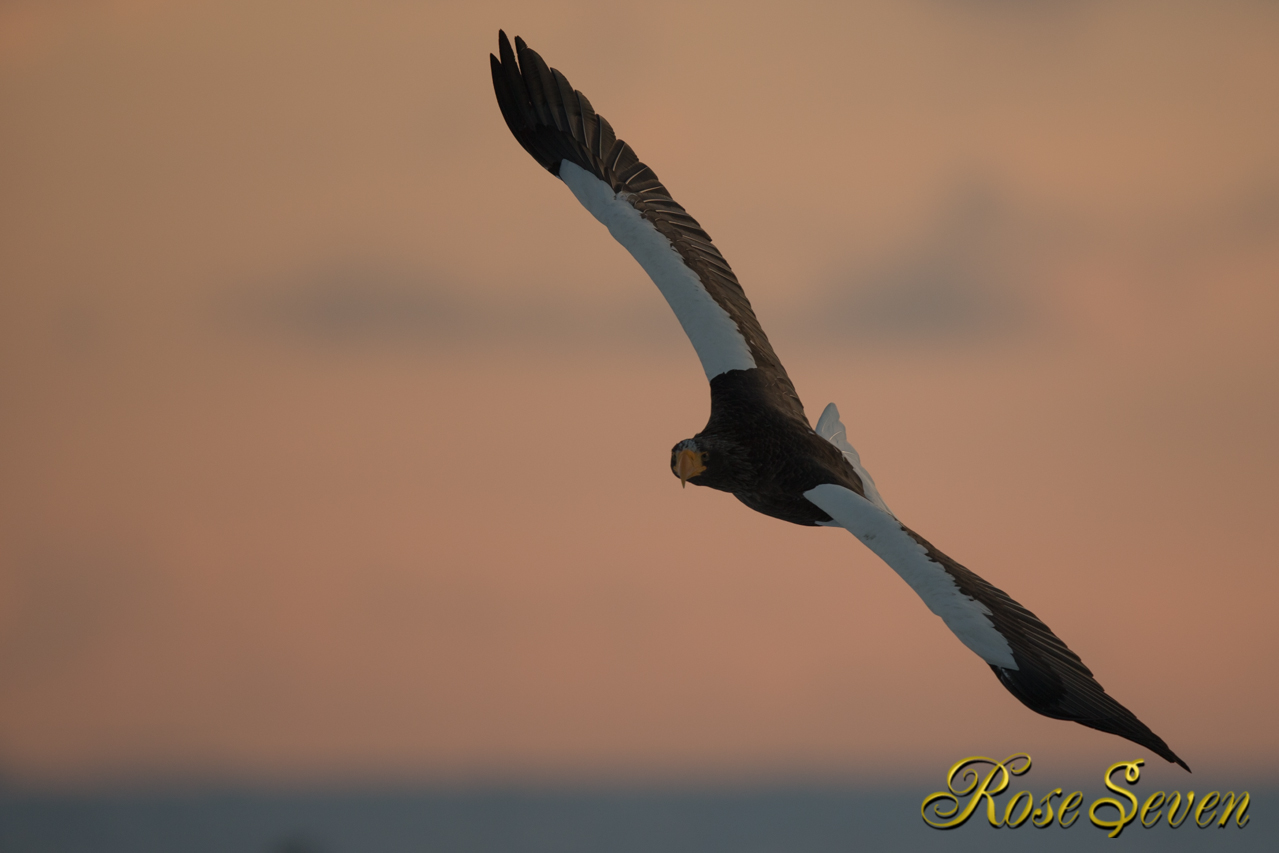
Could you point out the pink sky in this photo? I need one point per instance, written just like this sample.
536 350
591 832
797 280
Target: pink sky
333 433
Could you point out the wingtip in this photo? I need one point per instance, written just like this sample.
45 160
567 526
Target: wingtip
504 49
1156 744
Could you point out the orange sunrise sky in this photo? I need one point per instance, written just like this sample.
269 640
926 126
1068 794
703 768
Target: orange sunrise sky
334 432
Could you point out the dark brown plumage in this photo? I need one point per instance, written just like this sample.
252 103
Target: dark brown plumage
758 445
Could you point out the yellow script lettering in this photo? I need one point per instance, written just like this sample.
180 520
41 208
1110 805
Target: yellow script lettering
1015 822
1175 800
1044 815
995 783
1210 799
1132 772
1154 801
1228 804
1070 805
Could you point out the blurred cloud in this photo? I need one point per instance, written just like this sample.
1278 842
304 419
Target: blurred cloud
1006 7
1256 216
63 600
367 303
926 302
964 276
1247 219
983 267
352 302
989 266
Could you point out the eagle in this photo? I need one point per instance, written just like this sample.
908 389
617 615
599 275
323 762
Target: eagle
758 444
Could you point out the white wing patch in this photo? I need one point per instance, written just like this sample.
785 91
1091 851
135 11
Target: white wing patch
718 341
830 428
882 533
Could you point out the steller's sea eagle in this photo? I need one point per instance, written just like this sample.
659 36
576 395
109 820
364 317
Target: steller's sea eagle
758 444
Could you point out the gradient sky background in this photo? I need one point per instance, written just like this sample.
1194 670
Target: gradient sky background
334 433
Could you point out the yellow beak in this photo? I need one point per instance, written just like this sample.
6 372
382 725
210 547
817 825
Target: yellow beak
688 464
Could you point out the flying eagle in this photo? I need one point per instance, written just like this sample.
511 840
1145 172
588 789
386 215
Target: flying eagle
758 444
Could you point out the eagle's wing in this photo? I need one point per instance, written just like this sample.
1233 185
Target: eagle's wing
1023 652
556 124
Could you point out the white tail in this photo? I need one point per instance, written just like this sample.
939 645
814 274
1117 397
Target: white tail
830 428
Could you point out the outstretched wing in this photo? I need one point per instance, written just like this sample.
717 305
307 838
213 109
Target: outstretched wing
556 124
1023 652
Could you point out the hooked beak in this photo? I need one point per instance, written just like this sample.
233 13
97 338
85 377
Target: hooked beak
688 464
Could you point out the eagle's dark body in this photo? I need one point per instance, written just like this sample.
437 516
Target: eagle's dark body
758 444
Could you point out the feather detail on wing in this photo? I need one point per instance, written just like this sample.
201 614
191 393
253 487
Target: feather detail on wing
558 127
1025 655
